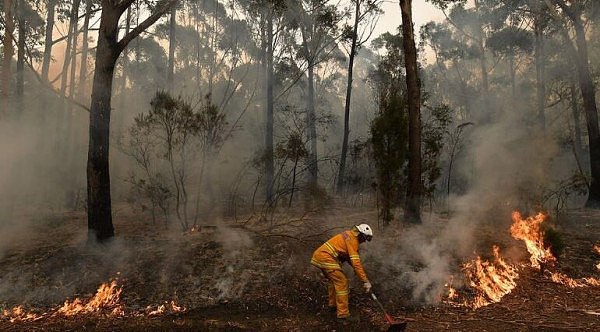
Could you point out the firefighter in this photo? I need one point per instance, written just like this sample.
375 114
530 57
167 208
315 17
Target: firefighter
329 258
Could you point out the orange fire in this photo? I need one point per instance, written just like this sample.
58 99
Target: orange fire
107 298
167 307
493 280
561 278
18 314
529 230
490 280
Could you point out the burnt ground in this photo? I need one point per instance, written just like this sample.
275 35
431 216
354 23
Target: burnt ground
255 276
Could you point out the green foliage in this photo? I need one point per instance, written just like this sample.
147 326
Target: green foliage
166 142
510 41
175 122
389 130
147 71
293 148
444 4
434 128
389 136
360 174
151 189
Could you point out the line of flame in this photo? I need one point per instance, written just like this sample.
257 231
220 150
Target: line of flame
106 300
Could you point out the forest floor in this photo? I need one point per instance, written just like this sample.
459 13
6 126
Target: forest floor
230 276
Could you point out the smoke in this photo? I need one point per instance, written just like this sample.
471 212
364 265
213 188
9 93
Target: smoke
507 165
37 179
236 274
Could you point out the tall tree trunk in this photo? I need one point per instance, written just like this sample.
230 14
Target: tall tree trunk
171 60
99 213
576 121
125 58
539 71
269 167
341 179
71 41
588 93
20 55
7 56
311 126
84 49
412 211
73 65
486 117
50 8
198 47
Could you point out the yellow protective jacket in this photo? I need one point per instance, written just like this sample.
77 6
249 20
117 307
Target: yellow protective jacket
340 248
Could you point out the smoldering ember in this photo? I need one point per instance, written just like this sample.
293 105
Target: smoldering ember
299 165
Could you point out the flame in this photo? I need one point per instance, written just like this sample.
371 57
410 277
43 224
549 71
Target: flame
170 307
106 300
18 314
493 280
452 293
529 230
107 297
563 279
490 280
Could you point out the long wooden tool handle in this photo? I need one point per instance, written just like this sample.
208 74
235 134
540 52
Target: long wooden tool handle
379 303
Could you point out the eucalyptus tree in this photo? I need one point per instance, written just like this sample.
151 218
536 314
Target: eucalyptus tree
412 210
475 24
317 23
7 54
511 42
571 16
30 30
71 47
450 73
83 68
22 25
108 50
389 130
366 13
267 22
50 15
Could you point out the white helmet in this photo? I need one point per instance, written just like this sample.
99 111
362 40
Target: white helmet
365 230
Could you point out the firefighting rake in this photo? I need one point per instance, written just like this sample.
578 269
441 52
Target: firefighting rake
395 324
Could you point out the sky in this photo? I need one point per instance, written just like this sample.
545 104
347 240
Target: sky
423 12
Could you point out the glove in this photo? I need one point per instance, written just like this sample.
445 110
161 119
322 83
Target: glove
367 285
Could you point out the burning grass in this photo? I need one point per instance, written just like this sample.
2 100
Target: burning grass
107 298
492 280
106 301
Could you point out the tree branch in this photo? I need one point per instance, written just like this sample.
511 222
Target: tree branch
145 24
123 5
44 83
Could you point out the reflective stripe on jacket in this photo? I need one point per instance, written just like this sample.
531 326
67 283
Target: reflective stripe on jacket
340 248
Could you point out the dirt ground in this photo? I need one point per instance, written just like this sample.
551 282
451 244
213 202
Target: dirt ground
238 277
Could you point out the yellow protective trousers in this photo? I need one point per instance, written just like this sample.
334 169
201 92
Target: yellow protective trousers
338 291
